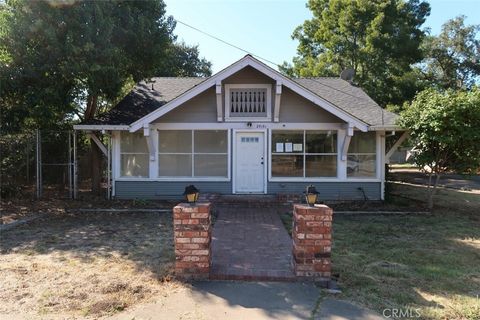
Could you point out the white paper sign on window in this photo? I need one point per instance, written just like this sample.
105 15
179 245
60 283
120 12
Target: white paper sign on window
297 147
279 147
288 147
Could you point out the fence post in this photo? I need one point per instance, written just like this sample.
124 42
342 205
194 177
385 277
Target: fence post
312 242
74 164
39 164
192 237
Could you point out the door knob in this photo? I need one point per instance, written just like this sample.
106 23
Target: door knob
261 162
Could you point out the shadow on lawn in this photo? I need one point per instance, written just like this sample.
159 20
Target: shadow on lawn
402 261
144 238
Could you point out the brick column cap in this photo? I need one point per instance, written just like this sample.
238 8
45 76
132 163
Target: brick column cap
307 207
195 205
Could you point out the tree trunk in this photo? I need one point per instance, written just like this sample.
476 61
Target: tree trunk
96 154
430 191
433 190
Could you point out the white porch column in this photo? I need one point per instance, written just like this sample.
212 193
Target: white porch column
381 161
342 163
153 149
115 158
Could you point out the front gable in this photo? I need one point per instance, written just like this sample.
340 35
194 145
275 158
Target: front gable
254 72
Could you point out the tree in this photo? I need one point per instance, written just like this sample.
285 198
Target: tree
452 59
379 39
61 60
444 127
184 61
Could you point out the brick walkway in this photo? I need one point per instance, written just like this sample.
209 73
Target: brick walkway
250 243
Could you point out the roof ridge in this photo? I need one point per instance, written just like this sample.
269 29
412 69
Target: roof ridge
180 77
313 78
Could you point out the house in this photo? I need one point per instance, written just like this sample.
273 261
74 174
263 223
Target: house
246 130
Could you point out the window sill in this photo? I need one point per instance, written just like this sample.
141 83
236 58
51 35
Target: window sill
248 119
174 179
305 180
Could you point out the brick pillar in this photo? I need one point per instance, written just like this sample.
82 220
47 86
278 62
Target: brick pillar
312 241
192 227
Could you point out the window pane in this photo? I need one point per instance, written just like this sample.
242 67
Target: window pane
133 143
174 141
321 142
321 166
210 141
134 165
361 166
362 142
175 165
210 165
287 166
287 141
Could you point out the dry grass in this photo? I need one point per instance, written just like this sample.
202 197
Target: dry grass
86 264
468 201
424 262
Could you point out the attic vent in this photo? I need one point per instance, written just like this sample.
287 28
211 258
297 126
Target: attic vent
248 102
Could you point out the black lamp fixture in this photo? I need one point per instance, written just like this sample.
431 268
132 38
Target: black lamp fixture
311 195
191 193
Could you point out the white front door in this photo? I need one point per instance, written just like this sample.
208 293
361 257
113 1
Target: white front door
249 162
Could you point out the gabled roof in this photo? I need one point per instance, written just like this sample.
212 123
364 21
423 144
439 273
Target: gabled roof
350 98
142 100
144 105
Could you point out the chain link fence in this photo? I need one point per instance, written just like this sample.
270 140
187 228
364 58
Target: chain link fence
46 164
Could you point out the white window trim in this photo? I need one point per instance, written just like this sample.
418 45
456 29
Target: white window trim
266 138
301 179
192 178
266 86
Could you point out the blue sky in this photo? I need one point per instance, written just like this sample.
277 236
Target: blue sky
264 27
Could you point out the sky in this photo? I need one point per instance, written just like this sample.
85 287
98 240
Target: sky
264 27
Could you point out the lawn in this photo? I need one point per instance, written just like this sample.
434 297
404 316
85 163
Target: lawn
425 262
85 264
428 263
467 201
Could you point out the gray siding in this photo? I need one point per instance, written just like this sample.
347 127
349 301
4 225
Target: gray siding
295 108
248 75
330 190
202 108
173 190
165 190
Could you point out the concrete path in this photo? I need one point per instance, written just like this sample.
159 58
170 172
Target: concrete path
225 300
331 309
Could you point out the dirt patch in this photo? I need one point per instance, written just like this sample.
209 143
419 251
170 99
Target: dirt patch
15 209
86 264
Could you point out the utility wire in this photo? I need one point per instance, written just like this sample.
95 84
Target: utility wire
227 43
264 59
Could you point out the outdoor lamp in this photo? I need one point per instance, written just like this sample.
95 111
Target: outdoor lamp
191 193
311 195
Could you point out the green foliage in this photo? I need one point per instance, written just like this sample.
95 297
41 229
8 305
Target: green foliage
184 61
379 39
444 127
452 59
17 163
59 60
